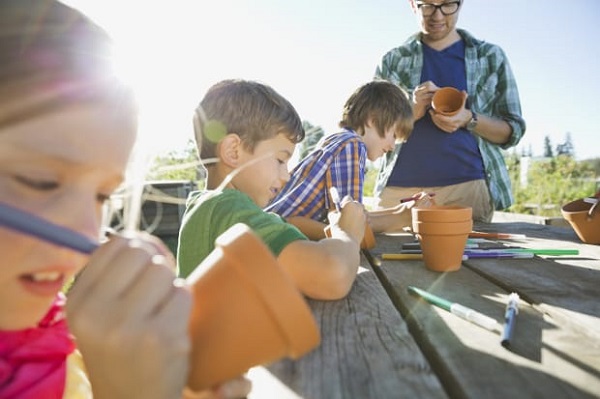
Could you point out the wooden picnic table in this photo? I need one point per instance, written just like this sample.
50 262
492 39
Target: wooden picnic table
382 342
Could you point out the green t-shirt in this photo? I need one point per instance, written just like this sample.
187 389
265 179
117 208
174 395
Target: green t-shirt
207 217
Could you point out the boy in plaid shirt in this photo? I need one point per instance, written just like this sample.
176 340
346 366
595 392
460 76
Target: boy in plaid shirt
375 116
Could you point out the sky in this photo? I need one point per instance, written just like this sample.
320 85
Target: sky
316 53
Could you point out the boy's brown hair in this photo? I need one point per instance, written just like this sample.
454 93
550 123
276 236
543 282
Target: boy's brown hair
252 110
382 103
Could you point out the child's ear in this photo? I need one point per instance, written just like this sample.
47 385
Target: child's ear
229 150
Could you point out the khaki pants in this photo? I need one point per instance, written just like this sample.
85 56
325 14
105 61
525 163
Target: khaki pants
472 193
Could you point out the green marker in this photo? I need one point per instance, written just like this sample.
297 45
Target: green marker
552 252
461 311
524 252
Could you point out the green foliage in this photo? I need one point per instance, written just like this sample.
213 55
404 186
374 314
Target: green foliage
313 135
593 164
177 165
550 184
369 183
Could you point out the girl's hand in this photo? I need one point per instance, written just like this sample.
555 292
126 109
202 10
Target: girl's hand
130 320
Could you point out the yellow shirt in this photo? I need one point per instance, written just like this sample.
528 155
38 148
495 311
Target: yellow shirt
77 384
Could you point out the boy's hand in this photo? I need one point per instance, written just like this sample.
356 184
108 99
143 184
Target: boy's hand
351 219
130 321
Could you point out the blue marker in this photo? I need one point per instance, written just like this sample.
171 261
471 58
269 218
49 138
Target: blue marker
475 254
32 225
512 309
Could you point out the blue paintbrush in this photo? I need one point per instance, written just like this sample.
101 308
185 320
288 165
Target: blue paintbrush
32 225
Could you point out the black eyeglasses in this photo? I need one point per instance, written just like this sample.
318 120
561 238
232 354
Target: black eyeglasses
428 9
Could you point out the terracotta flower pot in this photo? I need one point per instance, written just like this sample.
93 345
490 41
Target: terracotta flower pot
448 101
246 311
585 220
442 227
442 213
368 241
442 242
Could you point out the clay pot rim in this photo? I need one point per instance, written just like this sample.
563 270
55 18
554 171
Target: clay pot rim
442 213
451 92
441 208
580 207
443 228
584 219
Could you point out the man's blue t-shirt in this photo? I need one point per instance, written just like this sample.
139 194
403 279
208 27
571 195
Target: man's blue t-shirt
456 158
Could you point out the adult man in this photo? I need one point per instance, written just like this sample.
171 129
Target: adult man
458 157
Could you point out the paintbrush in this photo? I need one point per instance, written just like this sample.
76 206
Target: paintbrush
32 225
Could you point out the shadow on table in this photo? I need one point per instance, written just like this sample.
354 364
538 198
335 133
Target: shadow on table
315 376
433 333
531 230
570 287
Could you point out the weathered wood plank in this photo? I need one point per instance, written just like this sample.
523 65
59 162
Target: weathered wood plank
548 358
366 352
570 289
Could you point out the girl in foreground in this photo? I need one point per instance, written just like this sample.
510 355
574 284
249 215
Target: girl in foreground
67 126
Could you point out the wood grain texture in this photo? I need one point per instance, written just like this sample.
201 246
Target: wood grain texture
555 351
565 287
366 352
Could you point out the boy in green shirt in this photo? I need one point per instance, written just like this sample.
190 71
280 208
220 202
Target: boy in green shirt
246 134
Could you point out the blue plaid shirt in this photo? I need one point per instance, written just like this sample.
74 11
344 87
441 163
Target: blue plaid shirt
492 91
338 161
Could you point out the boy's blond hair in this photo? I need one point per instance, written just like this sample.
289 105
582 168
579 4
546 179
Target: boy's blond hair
384 104
252 110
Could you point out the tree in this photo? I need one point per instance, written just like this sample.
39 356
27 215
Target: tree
594 164
177 165
552 183
313 135
527 152
566 148
548 147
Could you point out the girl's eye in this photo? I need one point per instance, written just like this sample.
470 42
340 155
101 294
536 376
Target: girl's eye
42 185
